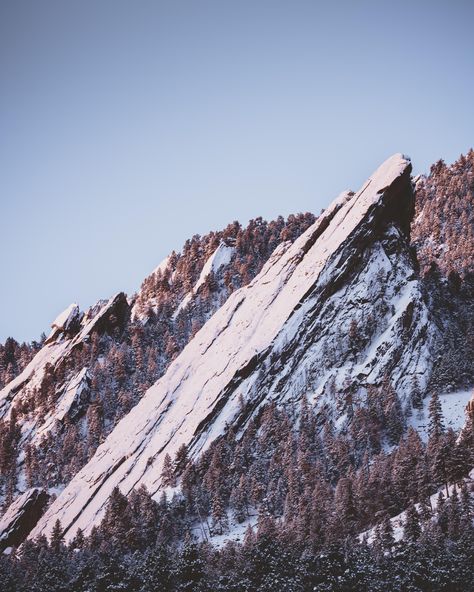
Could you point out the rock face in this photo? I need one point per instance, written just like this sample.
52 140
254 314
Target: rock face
21 517
340 306
68 322
70 330
71 404
221 257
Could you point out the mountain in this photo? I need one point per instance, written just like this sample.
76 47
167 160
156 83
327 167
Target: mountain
74 386
274 377
284 335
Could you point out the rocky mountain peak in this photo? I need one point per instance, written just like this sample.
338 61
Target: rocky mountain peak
284 336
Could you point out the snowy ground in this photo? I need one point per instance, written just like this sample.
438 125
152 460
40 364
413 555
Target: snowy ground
453 405
235 533
399 521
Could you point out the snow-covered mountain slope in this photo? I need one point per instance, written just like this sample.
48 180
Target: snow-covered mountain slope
340 306
70 402
398 522
69 331
219 258
453 406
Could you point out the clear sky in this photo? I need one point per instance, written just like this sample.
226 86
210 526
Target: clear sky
127 127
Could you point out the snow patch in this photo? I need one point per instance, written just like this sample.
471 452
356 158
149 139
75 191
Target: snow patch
454 412
398 522
162 266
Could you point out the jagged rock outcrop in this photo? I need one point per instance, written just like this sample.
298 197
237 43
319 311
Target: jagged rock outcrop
105 317
68 323
68 395
21 517
342 306
219 258
73 399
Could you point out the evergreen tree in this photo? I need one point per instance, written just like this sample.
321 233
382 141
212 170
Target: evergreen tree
79 540
220 522
454 515
167 472
394 421
442 513
435 417
57 539
155 570
189 569
411 527
384 538
416 394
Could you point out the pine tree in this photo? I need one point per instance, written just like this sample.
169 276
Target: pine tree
384 538
190 569
220 522
441 512
394 421
79 540
435 417
155 571
455 460
467 506
239 500
115 523
454 515
416 394
57 539
345 511
439 453
266 527
411 528
181 458
249 537
466 442
167 472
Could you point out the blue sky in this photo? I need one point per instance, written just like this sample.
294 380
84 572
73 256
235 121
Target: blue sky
127 127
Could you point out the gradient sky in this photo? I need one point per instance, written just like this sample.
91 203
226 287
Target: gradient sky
127 127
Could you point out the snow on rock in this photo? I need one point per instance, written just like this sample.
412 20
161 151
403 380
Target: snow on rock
68 404
63 320
135 314
103 318
162 266
221 257
21 516
360 242
68 321
32 374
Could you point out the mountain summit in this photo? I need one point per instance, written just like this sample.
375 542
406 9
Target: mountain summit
340 306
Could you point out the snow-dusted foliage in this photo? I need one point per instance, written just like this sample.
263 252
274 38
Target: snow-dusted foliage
444 215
